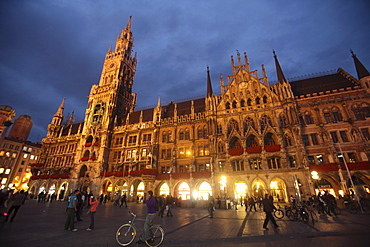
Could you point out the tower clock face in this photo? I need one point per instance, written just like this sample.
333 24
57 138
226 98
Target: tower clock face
111 65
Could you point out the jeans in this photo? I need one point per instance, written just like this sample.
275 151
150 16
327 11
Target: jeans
92 217
70 222
268 218
148 223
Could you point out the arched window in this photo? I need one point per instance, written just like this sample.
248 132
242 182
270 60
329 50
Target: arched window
337 115
258 101
327 115
249 102
308 118
182 134
234 104
227 105
265 99
232 125
242 103
249 123
187 134
282 120
287 141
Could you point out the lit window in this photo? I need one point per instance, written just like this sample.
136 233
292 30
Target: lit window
32 156
7 154
2 153
1 170
7 171
25 156
3 181
14 155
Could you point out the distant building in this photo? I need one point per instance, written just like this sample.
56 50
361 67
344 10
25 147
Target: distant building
7 113
21 128
16 153
252 138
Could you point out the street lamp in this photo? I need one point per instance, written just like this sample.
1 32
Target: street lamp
315 177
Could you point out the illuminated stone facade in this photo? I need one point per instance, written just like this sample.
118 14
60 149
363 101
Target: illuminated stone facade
252 138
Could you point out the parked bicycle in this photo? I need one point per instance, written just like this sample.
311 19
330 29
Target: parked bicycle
353 207
126 233
279 212
299 213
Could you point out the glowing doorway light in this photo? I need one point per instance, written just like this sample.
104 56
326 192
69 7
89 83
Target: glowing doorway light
164 189
274 185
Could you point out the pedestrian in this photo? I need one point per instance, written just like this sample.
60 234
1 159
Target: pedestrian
169 203
252 204
17 202
80 204
246 204
161 205
123 200
150 204
101 198
71 210
211 205
268 208
116 199
93 205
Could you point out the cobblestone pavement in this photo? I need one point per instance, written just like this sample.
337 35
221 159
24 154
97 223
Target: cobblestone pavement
43 225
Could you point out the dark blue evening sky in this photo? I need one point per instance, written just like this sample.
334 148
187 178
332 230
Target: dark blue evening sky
51 49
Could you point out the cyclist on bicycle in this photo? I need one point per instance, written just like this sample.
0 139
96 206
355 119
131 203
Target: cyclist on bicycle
150 203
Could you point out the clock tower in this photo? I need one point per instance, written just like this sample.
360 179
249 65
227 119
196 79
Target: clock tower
108 104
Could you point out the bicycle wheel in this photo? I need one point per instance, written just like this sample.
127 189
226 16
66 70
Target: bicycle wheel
125 234
157 234
291 215
353 209
279 214
314 217
305 217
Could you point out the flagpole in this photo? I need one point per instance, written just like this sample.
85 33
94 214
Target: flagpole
350 178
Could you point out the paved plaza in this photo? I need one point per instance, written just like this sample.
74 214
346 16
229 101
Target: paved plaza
42 224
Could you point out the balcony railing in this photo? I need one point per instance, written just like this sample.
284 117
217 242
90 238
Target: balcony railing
236 151
254 150
272 148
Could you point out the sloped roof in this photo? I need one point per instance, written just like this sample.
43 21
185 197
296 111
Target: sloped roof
183 108
74 130
319 84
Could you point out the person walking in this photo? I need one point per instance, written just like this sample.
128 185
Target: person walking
169 203
71 210
211 205
123 200
93 205
268 208
252 204
150 204
161 205
246 204
17 202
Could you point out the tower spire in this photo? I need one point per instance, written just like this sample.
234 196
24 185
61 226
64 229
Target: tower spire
128 26
209 84
360 68
60 110
279 71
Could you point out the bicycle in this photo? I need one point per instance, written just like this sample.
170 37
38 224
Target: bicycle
126 233
279 212
300 213
312 214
